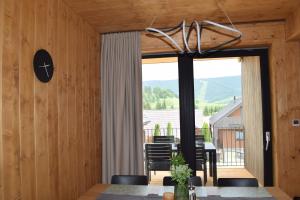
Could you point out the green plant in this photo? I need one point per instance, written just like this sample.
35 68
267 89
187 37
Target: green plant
177 160
157 130
206 132
180 171
169 129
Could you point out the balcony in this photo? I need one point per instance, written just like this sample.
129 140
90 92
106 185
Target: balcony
229 143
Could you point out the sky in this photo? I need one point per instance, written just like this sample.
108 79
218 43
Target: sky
202 69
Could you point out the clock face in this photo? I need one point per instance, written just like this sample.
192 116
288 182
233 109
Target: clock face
43 65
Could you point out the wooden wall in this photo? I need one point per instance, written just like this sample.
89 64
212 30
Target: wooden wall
252 117
49 133
285 91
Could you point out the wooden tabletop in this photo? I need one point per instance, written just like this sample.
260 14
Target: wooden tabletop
93 192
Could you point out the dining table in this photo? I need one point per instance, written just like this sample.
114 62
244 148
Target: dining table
153 192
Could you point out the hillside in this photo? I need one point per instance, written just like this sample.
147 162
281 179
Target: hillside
211 90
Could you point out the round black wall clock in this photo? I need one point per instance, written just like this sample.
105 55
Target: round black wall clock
43 65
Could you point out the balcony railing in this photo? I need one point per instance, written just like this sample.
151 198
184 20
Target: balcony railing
229 143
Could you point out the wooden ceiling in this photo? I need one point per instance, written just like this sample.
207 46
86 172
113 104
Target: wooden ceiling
125 15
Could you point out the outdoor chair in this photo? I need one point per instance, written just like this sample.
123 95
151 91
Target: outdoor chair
237 182
163 139
158 157
201 161
195 181
129 179
199 138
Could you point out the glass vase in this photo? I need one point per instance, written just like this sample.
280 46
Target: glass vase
181 192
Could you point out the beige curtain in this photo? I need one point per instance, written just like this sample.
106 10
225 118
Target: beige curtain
121 91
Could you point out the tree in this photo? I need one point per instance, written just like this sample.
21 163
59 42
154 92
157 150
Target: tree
169 129
147 106
156 130
158 106
164 105
206 132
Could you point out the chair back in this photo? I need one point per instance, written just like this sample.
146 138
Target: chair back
199 138
129 179
156 152
200 153
158 156
195 180
167 181
163 139
237 182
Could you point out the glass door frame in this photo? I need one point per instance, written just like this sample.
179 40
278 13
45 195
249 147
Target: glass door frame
186 101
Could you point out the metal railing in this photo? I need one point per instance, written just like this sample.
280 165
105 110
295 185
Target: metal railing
229 143
230 146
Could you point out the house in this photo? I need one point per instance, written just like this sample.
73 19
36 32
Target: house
52 133
227 126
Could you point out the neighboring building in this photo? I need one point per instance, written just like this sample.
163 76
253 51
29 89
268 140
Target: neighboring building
227 126
163 117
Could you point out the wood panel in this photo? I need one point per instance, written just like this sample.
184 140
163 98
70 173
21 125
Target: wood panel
114 15
252 117
293 25
42 136
1 135
285 82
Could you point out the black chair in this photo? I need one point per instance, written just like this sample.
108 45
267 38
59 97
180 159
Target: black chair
158 157
163 139
201 161
167 181
199 138
195 180
129 179
237 182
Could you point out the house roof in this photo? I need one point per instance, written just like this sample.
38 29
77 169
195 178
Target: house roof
163 117
226 111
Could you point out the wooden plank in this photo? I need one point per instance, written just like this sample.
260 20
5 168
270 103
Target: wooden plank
79 110
52 46
41 109
98 114
85 114
63 162
10 101
72 104
293 26
252 117
1 129
27 137
138 15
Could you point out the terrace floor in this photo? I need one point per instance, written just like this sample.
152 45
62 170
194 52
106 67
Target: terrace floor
223 172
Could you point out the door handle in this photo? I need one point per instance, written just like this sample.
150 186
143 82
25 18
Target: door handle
268 139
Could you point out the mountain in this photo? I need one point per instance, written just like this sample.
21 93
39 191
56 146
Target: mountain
212 90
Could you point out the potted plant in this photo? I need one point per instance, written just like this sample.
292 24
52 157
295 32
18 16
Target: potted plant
180 172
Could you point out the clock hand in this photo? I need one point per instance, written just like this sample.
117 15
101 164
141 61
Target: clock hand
45 66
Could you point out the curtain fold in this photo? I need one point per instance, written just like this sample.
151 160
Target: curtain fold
121 92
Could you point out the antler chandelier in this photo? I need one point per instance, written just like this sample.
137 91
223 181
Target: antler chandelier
198 27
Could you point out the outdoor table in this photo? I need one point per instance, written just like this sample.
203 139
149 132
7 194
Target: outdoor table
212 158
